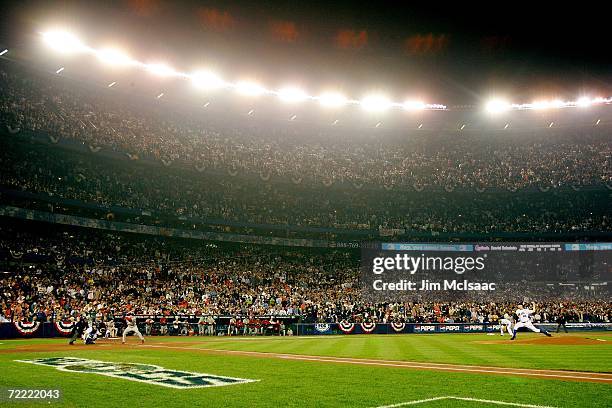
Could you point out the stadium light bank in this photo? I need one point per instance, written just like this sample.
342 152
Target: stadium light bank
64 42
497 106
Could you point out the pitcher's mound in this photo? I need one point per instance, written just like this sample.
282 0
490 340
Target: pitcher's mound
555 341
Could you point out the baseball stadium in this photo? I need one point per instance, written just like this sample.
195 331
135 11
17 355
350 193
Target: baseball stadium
304 204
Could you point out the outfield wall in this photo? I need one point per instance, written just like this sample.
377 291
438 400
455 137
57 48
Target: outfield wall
427 328
15 330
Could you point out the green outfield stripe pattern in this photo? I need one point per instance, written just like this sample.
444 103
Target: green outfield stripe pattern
295 383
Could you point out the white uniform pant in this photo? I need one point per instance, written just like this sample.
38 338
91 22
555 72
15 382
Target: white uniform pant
132 329
508 327
87 332
528 325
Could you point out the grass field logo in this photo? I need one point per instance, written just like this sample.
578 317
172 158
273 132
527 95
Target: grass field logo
146 373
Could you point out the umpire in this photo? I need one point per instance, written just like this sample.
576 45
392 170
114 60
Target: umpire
79 328
561 320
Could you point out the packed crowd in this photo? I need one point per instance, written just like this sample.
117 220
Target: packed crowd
106 119
53 273
63 272
155 275
177 193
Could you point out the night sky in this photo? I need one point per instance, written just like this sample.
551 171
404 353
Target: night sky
455 53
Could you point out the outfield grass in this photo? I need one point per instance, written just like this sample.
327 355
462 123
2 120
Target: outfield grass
284 382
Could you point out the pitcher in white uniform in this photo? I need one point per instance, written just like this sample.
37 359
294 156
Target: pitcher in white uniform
524 320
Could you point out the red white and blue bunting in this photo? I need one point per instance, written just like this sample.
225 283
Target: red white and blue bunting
64 328
346 327
398 326
26 328
368 327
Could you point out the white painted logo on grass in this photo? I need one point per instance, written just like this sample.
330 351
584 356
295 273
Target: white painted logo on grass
450 397
147 373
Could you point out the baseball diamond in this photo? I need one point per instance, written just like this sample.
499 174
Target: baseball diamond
305 204
407 367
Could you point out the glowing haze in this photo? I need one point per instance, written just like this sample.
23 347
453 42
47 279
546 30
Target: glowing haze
64 42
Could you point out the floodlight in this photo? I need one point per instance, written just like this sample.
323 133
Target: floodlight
436 106
207 80
413 105
249 88
540 105
375 103
584 102
332 100
558 103
160 69
292 94
114 57
4 51
63 42
497 106
66 42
